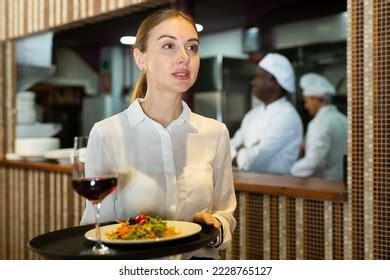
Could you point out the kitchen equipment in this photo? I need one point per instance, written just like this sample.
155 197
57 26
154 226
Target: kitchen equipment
63 156
25 107
27 116
27 130
33 149
222 90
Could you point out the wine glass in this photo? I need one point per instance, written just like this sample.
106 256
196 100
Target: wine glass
94 189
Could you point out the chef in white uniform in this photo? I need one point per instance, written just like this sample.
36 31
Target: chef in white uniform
270 135
326 138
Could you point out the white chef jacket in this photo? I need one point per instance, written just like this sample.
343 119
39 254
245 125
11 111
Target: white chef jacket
271 136
326 143
171 172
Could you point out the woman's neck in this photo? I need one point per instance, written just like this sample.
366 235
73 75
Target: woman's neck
162 108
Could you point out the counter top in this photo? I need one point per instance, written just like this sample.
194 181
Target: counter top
306 188
45 166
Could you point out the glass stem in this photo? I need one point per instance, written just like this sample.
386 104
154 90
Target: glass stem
97 223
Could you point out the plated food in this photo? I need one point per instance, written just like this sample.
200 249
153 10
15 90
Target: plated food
142 227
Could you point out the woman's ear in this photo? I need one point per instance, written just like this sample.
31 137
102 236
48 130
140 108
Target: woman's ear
139 58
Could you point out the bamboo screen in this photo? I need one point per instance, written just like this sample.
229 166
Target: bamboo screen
274 228
235 246
338 231
290 229
34 202
369 131
254 245
356 143
381 129
7 96
313 231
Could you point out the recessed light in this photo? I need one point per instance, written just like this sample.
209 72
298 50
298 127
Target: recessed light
128 40
199 27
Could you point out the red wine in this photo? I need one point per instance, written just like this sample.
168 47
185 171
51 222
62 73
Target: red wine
95 188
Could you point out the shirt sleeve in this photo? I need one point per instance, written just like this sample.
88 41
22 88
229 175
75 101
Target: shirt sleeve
224 198
318 143
98 163
280 133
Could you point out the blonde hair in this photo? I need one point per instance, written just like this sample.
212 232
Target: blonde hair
142 37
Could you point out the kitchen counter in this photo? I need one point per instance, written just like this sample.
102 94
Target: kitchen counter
43 166
289 186
308 188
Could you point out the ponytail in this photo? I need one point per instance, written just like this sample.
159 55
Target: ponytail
140 87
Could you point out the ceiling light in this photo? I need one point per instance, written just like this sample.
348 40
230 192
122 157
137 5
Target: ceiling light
199 27
128 40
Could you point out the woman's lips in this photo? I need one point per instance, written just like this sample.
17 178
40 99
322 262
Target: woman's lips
182 75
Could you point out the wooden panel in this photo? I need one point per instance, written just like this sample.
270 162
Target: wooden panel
290 229
37 166
3 107
309 188
23 17
381 130
34 202
274 227
254 235
356 128
313 230
7 94
338 231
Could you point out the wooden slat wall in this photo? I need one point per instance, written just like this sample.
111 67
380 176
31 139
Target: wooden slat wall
278 227
366 224
7 96
34 202
23 17
379 172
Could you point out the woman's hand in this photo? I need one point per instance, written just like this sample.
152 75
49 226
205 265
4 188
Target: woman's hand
206 218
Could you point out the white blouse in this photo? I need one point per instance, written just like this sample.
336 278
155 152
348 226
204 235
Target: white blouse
171 172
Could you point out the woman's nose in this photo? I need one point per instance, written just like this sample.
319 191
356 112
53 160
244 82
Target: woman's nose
183 56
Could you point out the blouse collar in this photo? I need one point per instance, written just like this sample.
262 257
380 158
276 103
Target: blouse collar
136 115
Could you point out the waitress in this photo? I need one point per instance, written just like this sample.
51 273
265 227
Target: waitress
169 161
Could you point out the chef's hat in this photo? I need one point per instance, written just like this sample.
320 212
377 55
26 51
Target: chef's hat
280 67
313 84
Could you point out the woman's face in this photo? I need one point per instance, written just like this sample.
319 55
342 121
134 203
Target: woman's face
171 57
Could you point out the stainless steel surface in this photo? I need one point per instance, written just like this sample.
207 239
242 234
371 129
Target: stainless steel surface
222 90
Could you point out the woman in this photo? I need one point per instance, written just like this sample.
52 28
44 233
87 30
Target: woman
170 162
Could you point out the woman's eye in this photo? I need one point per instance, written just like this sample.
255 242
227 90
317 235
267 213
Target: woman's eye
168 46
194 48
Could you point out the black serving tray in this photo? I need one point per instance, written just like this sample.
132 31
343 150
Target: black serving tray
70 243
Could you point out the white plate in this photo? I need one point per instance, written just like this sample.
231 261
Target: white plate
63 156
34 158
185 228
